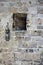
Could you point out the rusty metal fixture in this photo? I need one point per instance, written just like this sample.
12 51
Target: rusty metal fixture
7 32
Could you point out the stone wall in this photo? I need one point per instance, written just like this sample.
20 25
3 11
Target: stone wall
24 47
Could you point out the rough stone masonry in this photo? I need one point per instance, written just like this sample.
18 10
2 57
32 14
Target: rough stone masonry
23 45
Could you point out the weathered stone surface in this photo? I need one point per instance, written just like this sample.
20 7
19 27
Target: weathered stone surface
24 47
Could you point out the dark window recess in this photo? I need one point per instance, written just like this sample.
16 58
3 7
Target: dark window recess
19 21
7 32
